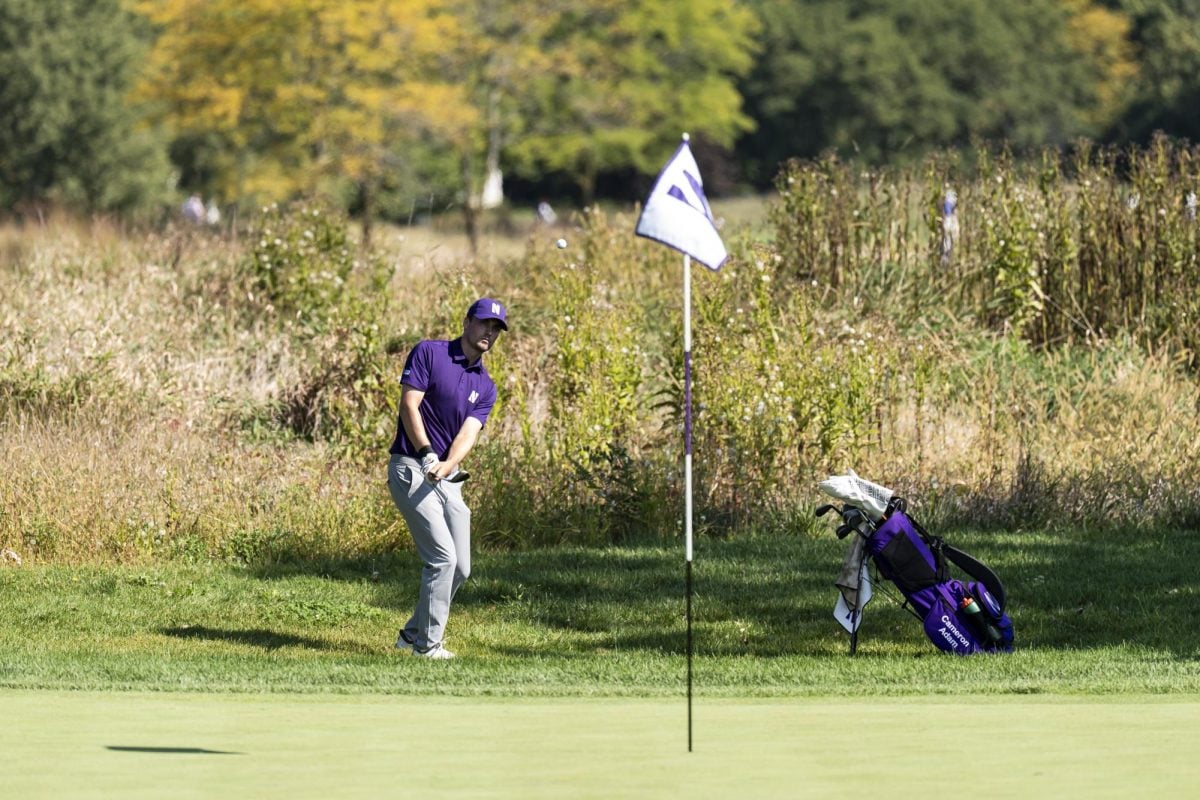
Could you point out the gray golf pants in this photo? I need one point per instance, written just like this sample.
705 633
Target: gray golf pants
440 524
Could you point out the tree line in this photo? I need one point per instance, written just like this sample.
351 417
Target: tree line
390 106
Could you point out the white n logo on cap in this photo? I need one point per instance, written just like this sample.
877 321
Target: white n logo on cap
495 308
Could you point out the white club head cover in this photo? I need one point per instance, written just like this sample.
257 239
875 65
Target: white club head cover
849 488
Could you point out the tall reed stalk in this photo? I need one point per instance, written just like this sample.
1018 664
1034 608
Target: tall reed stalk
1056 248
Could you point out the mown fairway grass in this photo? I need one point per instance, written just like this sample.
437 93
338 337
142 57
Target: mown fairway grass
1093 615
207 680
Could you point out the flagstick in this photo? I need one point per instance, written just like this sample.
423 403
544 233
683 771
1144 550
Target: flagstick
687 468
678 215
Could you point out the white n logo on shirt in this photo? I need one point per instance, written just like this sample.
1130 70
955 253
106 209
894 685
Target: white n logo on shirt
473 397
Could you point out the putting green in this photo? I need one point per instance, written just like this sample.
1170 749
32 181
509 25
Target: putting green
135 745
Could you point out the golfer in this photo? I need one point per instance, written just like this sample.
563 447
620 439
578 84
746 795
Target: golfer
445 400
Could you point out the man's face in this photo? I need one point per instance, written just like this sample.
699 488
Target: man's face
482 333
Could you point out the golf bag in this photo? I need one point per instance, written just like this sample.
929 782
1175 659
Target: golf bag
960 617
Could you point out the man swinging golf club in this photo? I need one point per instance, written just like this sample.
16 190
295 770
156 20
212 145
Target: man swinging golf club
445 401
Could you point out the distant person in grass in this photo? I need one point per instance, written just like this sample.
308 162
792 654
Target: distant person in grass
445 401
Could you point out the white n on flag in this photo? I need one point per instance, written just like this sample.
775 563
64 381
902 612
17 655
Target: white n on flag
677 212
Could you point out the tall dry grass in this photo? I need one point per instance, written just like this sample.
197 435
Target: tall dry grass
149 389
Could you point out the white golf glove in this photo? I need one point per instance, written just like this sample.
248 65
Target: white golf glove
428 461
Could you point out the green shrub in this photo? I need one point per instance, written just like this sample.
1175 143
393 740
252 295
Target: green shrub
332 298
40 536
33 390
301 262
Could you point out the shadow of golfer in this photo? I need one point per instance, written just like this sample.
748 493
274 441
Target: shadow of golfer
258 637
187 750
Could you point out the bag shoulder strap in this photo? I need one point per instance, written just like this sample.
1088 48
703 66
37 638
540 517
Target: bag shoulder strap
979 571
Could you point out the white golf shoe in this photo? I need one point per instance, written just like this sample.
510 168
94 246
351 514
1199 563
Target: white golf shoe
402 644
437 651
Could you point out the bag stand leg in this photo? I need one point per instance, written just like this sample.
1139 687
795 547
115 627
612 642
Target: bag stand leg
858 612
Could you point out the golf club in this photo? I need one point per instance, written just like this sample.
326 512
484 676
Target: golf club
458 477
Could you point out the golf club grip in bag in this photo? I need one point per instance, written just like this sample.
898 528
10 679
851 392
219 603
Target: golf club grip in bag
958 617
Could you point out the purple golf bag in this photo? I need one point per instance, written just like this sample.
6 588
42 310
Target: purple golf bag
961 617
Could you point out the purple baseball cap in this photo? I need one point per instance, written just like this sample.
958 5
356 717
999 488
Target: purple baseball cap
487 308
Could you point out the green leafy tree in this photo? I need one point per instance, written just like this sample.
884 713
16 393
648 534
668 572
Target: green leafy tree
630 76
1165 93
68 135
890 78
583 86
500 51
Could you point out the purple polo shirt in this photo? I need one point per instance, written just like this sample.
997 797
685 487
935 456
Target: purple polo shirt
453 391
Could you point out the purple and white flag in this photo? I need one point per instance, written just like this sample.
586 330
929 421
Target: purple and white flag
677 212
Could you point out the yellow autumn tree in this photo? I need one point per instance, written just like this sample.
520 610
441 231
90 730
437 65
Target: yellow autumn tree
1103 36
295 94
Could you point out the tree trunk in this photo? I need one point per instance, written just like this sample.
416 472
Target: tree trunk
470 207
585 179
587 187
367 198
